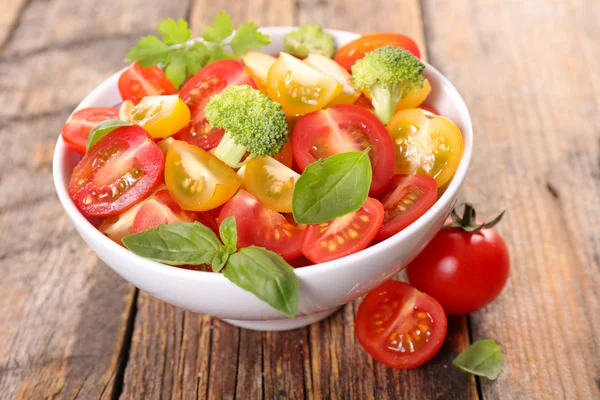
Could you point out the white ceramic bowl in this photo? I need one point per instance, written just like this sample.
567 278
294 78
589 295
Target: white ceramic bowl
324 287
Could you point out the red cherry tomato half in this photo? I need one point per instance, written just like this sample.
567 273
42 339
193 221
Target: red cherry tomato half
260 226
347 55
159 209
76 130
463 271
196 93
343 235
400 326
136 82
406 199
118 171
343 128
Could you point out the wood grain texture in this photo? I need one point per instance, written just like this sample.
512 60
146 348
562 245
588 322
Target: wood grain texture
9 18
528 73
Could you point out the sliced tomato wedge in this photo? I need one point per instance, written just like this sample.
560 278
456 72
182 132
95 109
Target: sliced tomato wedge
119 226
349 53
400 326
286 155
414 98
76 130
197 180
340 129
407 198
329 67
159 209
258 64
298 87
118 171
260 226
344 235
160 116
196 93
136 82
271 182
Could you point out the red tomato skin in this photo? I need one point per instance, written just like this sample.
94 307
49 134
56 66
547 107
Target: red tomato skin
463 271
149 161
375 344
251 222
311 236
196 93
76 130
349 53
136 82
315 125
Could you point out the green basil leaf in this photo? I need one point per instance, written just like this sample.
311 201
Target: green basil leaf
482 358
332 187
179 243
103 129
228 232
266 275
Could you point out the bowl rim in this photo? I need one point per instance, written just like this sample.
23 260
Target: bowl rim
302 272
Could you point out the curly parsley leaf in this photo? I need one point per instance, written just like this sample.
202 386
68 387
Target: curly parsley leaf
247 37
222 28
174 32
148 52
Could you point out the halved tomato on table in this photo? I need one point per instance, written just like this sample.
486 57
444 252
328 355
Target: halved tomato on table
344 235
271 182
260 226
118 171
197 180
299 88
340 129
407 198
400 326
425 144
196 93
76 130
347 55
137 82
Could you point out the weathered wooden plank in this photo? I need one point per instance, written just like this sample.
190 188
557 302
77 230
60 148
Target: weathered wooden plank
11 11
64 315
528 72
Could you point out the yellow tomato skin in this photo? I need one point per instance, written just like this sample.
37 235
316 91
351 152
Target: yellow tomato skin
415 98
271 182
299 88
425 144
160 116
197 180
326 65
257 65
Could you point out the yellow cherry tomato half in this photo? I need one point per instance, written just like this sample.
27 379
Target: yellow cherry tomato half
415 97
329 67
271 182
164 145
160 116
425 144
257 65
298 87
197 180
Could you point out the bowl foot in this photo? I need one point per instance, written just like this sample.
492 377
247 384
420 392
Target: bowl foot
282 324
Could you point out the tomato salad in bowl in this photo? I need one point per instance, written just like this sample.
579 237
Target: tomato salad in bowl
225 160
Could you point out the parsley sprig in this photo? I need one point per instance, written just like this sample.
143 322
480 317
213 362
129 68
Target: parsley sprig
181 59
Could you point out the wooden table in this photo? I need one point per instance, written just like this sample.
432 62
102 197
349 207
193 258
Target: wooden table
528 71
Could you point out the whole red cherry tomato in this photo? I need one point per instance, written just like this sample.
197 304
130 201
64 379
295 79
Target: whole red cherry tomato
465 267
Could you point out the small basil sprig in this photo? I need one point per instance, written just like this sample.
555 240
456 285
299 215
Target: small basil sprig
255 269
103 129
482 358
332 187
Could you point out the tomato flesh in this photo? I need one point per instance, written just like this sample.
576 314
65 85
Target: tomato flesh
349 53
119 171
160 116
136 82
400 326
344 235
343 128
407 198
196 93
260 226
159 209
463 271
271 182
76 130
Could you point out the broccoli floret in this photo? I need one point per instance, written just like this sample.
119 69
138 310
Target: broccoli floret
309 38
252 122
388 74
